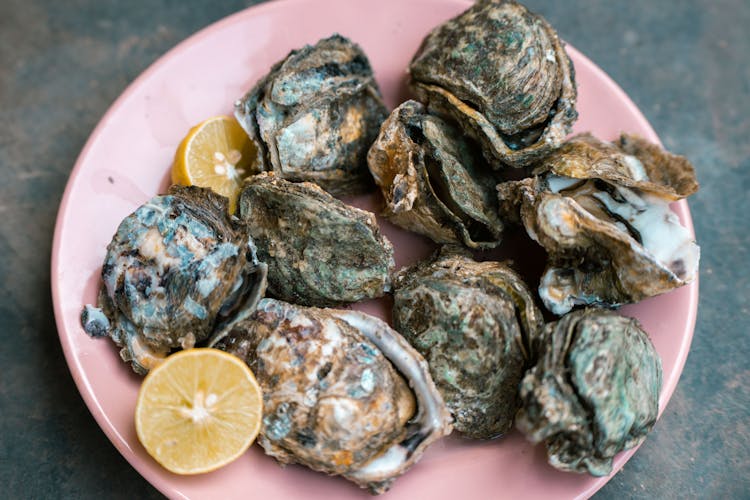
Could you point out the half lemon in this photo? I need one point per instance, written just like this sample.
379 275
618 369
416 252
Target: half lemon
216 154
199 410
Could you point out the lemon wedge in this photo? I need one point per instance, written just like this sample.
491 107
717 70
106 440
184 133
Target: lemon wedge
216 154
198 410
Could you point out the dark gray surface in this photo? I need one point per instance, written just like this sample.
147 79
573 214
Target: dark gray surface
684 63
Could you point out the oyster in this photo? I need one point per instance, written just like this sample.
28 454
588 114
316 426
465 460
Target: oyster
336 391
476 324
502 73
315 115
433 181
601 210
176 268
319 250
594 391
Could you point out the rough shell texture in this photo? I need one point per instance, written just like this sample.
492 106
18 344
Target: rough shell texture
315 115
336 391
319 250
594 391
630 161
602 213
176 268
475 323
433 181
502 73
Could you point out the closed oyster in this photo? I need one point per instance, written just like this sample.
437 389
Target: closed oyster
502 73
601 210
336 391
594 391
175 269
319 250
476 324
433 181
315 115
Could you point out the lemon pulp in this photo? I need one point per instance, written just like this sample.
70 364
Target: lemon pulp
216 154
199 410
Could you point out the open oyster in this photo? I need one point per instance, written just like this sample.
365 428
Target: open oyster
475 323
336 391
502 73
594 391
433 181
319 250
601 210
315 115
176 268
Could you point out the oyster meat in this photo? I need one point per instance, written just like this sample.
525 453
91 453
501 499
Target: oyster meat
175 269
476 324
315 115
319 250
343 393
502 73
594 391
601 210
433 180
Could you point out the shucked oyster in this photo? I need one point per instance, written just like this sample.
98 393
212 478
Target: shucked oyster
314 116
342 392
476 324
319 250
594 391
502 73
433 180
176 268
602 213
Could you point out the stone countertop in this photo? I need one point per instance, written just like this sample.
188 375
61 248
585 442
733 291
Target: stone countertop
684 63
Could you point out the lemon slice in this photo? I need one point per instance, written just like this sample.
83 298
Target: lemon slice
199 410
216 154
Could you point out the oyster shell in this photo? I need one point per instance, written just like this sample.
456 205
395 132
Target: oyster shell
315 115
594 391
475 323
319 250
602 213
176 268
630 161
432 179
502 73
336 391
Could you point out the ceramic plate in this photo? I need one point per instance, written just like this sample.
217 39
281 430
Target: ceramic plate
127 159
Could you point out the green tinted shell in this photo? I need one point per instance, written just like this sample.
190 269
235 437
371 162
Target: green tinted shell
319 250
315 115
476 324
177 267
502 73
594 391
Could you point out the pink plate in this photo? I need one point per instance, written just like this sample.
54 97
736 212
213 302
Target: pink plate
127 159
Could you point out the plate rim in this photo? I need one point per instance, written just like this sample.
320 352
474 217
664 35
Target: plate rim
80 378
